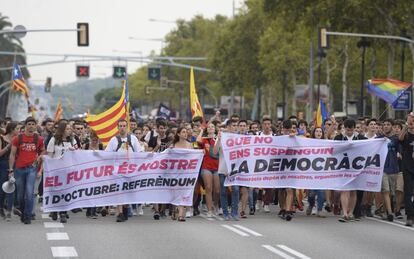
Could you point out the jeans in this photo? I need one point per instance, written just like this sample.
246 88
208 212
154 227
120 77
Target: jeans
252 198
4 177
235 197
408 193
25 182
321 198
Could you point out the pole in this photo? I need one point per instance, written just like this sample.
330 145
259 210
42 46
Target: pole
11 79
284 93
361 101
319 77
402 60
310 114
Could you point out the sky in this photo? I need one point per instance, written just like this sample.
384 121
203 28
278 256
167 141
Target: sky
111 24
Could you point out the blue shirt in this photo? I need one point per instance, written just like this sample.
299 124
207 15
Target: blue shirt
391 162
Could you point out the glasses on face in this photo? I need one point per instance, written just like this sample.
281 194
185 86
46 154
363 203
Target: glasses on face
79 128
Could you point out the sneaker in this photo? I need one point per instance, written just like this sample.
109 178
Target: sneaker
309 211
104 212
209 214
328 208
17 212
314 211
8 216
251 212
120 218
226 217
343 219
243 215
220 212
2 213
54 216
289 216
257 207
112 211
63 219
94 216
140 211
266 208
368 211
234 218
33 217
27 221
320 214
409 222
390 217
156 216
398 215
351 219
196 211
336 210
135 212
281 212
188 214
204 208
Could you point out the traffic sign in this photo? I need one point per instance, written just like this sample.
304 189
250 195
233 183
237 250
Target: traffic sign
404 103
82 71
154 73
119 72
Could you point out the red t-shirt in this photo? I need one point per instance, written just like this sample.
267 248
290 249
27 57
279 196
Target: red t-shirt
27 151
209 162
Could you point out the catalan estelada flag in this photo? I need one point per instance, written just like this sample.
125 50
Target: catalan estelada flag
59 111
321 114
196 110
106 124
388 89
18 83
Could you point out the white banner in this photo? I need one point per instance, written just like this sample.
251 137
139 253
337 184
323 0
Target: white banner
83 179
296 162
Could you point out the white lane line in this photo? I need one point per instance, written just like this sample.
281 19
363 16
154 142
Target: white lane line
64 251
204 216
294 252
278 252
235 230
396 221
45 216
248 230
57 236
391 223
53 225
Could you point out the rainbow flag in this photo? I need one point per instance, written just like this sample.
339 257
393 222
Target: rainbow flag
321 114
388 90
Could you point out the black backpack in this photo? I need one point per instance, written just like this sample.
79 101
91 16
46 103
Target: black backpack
129 143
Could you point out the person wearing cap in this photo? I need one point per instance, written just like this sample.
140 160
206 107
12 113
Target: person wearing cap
25 155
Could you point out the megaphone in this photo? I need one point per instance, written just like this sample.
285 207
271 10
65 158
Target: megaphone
9 187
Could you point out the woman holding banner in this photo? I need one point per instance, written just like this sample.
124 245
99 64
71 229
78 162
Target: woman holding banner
209 168
180 141
58 145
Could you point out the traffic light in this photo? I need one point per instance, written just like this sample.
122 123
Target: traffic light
82 71
48 85
119 72
323 38
83 34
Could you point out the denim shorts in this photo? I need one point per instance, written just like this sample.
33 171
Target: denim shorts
208 171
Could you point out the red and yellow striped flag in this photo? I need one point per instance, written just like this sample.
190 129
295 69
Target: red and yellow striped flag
196 110
106 124
59 111
18 83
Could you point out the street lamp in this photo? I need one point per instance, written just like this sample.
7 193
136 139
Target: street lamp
363 43
162 21
321 54
149 39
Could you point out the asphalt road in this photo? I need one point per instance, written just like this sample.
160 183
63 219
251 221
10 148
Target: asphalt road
263 235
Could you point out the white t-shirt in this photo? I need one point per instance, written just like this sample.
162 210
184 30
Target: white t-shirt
113 145
58 150
222 168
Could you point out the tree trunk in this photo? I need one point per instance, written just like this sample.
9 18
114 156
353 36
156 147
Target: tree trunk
344 81
374 99
294 108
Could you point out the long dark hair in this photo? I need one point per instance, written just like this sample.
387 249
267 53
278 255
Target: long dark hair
60 131
10 127
177 135
314 130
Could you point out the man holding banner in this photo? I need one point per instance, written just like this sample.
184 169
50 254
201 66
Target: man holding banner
123 142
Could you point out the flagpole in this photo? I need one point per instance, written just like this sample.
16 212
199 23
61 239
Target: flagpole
11 83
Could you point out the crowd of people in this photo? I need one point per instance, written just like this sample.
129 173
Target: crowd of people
22 145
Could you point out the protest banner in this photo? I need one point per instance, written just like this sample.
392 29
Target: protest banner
83 179
297 162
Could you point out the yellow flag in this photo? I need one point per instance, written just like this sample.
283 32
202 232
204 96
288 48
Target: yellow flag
196 110
58 112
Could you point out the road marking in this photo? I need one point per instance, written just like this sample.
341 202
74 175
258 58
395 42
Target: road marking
392 223
57 236
294 252
395 220
53 225
64 251
235 230
45 216
278 252
248 230
204 216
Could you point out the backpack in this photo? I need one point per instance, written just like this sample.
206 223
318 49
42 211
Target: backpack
129 143
20 142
